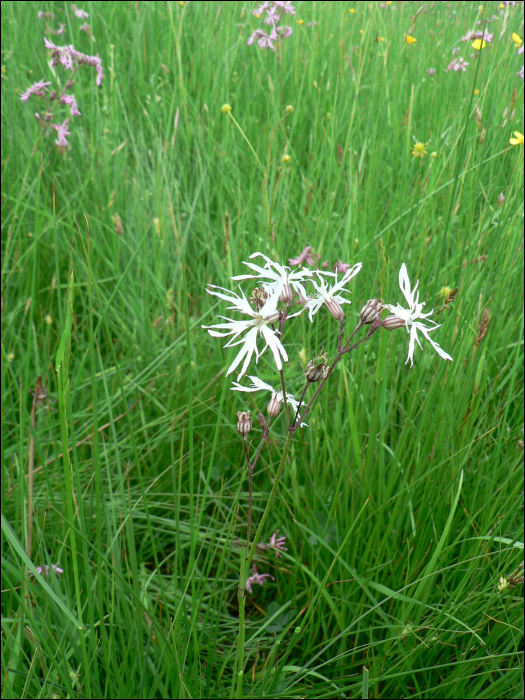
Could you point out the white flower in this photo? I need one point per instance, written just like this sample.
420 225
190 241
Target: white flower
282 281
328 296
277 396
410 316
256 325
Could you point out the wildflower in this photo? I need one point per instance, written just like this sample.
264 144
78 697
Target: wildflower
351 11
409 39
518 41
340 266
476 91
257 578
276 543
501 6
79 13
478 36
62 28
329 296
304 257
503 583
317 368
72 103
518 140
286 158
286 7
457 65
478 44
520 73
62 132
409 318
300 21
263 40
44 571
432 71
39 89
381 38
244 423
370 311
226 109
67 54
282 280
274 406
258 324
85 28
418 150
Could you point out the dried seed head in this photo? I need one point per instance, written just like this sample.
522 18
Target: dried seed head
485 318
274 406
244 423
370 311
392 322
317 368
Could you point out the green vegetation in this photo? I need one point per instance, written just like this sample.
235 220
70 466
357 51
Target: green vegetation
402 503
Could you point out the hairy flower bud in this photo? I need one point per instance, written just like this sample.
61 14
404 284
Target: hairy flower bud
370 311
244 423
275 405
393 322
317 368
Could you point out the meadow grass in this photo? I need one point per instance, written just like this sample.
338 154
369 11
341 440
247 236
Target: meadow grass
402 502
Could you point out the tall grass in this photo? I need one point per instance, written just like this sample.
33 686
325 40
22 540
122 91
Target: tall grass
402 502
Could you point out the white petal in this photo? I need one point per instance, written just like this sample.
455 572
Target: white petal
435 345
404 285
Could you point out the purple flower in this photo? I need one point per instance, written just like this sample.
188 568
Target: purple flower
470 36
258 11
341 266
39 89
272 16
520 50
61 29
286 7
286 31
520 73
70 100
83 59
45 570
432 71
257 578
66 54
62 132
459 65
455 50
263 40
277 543
79 13
305 257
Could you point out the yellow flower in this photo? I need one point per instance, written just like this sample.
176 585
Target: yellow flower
225 109
181 3
501 6
518 141
476 91
300 21
503 583
361 31
352 11
409 39
516 38
286 158
479 44
381 38
48 320
418 150
11 357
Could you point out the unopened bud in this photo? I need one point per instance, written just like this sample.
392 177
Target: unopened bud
335 308
286 295
371 310
53 96
392 322
70 84
262 421
501 200
317 369
275 405
244 422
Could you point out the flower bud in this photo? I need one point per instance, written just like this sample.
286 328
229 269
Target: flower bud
53 96
501 200
371 310
286 295
335 308
393 322
275 405
225 109
286 158
317 369
262 421
244 423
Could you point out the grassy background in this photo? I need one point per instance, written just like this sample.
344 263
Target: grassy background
147 515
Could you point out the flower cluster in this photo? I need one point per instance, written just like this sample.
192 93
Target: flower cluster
44 571
274 12
72 60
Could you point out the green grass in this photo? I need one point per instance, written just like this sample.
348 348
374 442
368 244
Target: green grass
402 502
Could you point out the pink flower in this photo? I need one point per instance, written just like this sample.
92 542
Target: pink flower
286 31
286 7
277 543
257 578
304 257
470 36
272 16
70 100
62 132
520 73
61 29
459 65
80 14
456 50
341 266
45 570
259 10
39 89
85 28
520 50
432 71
